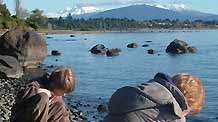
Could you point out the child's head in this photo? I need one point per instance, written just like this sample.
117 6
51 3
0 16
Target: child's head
192 89
62 81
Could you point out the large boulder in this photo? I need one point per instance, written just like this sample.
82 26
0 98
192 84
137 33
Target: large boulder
27 47
132 45
99 49
180 47
10 67
113 52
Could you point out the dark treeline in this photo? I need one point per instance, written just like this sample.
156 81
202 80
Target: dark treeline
71 23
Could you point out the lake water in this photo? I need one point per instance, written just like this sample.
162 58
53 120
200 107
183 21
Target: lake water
97 77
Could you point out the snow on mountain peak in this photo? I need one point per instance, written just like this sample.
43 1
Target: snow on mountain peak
178 7
175 7
79 10
161 6
75 10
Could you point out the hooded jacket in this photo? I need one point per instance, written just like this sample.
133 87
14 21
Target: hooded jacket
158 100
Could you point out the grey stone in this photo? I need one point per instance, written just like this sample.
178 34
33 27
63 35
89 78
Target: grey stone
10 67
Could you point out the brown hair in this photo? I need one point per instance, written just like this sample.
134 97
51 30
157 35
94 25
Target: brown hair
192 89
62 78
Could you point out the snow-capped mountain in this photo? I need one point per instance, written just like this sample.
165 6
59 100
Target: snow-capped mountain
138 12
151 12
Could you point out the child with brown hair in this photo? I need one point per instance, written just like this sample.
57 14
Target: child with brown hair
161 99
41 100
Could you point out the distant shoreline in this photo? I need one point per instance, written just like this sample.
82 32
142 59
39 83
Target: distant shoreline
122 31
45 32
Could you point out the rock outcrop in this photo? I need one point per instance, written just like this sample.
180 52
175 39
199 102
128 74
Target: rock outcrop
27 47
10 67
180 47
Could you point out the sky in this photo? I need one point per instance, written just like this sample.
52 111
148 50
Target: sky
53 6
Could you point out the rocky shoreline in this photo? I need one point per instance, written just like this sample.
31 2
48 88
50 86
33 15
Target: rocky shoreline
9 88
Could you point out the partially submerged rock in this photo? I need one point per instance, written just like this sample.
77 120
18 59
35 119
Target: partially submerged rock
192 49
10 67
145 45
49 37
180 47
132 45
99 49
151 51
27 47
55 53
102 108
72 35
113 52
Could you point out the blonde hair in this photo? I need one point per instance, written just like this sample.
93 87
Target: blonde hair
62 78
192 89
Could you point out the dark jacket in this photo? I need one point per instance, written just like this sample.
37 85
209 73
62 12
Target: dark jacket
158 100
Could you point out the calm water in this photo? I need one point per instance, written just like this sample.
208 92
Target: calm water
99 76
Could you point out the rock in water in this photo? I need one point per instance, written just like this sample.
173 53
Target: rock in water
99 49
132 45
102 108
145 45
72 35
55 53
10 67
113 52
180 47
192 49
27 47
151 51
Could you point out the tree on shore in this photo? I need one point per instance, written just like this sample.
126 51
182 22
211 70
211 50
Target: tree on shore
37 19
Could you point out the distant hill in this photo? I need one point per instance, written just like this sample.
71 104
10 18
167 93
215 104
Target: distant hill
147 12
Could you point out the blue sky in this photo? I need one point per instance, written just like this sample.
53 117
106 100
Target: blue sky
52 6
